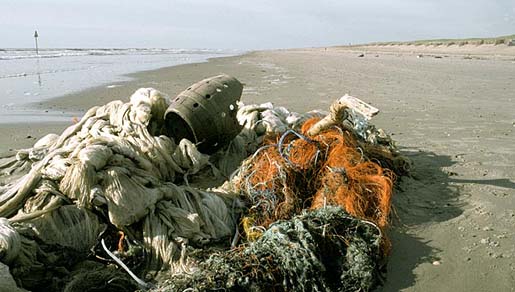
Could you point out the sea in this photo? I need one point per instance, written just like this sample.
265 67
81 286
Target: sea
27 78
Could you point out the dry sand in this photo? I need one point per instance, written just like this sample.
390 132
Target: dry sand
453 229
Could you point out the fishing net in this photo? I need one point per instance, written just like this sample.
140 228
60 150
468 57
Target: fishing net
110 171
319 250
112 204
297 171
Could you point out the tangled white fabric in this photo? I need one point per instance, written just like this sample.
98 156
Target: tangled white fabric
115 163
114 160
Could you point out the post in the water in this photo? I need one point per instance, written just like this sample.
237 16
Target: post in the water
36 38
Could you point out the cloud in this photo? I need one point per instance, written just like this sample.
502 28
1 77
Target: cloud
246 24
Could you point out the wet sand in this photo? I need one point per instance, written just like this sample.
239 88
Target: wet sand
453 114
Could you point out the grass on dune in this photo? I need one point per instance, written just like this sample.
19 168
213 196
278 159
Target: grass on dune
506 40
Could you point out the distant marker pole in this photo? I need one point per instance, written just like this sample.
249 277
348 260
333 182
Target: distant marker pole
36 38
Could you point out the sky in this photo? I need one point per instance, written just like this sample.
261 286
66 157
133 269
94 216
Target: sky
243 24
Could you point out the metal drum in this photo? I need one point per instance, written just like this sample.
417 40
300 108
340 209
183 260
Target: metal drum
205 113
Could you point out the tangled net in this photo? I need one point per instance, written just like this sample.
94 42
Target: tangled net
297 171
318 250
313 205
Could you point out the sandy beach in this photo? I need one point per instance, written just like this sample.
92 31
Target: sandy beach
450 110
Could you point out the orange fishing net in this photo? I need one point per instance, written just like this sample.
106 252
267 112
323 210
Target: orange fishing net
295 172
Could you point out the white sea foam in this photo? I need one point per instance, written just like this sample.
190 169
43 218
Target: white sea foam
15 54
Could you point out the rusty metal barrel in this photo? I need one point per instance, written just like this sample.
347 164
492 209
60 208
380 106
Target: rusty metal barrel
205 113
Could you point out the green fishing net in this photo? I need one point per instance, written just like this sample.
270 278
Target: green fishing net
319 250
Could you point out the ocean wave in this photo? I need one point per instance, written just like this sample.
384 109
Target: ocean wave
16 54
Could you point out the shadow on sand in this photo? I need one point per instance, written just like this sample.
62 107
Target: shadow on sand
427 196
500 182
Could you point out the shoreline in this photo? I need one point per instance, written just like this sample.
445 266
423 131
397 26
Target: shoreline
19 135
28 81
452 227
122 89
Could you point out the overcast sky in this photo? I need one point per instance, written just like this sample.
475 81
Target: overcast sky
246 24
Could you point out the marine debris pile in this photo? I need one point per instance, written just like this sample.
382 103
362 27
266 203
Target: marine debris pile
201 193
